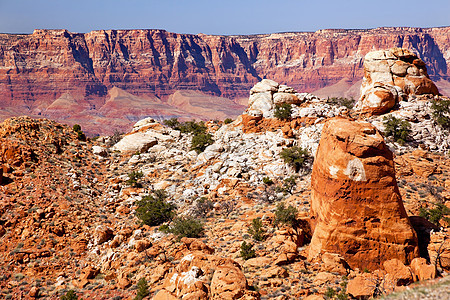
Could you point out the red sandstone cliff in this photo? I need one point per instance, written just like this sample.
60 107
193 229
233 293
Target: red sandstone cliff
37 69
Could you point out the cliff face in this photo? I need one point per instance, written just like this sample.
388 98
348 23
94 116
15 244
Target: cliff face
37 69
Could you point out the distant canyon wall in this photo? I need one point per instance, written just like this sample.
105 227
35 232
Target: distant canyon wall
36 69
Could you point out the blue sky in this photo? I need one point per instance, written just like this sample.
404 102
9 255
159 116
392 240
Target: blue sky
219 17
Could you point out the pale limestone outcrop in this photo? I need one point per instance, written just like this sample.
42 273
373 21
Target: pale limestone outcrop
391 76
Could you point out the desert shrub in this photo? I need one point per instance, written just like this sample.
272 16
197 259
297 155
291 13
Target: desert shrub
256 230
288 186
267 181
114 139
227 207
398 129
70 295
193 127
202 207
186 127
133 178
80 135
246 251
283 111
172 123
295 157
201 141
186 227
330 293
341 101
436 214
441 112
228 121
76 128
154 209
142 289
285 215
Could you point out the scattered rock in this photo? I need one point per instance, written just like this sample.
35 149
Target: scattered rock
400 273
228 282
421 270
102 234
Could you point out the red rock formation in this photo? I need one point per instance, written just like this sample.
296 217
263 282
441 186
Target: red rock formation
37 69
356 205
391 76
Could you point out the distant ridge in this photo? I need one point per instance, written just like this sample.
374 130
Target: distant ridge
36 69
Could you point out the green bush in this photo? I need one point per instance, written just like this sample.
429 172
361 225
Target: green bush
80 135
186 227
193 127
341 101
283 111
441 112
285 215
288 186
295 157
133 178
228 121
186 127
172 123
330 293
246 251
70 295
398 129
154 209
201 141
76 128
142 289
256 230
436 214
267 181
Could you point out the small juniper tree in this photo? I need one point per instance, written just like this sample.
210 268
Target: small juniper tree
70 295
295 156
142 291
441 113
246 251
398 129
201 141
285 215
172 123
186 227
81 135
133 178
154 209
283 111
256 230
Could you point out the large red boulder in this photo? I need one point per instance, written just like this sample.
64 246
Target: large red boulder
356 207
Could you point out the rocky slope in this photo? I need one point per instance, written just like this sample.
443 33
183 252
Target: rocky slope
55 73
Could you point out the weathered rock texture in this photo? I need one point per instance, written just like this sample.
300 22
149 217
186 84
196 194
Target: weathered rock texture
356 206
391 76
55 72
267 94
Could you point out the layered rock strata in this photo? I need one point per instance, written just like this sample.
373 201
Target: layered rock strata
356 207
64 75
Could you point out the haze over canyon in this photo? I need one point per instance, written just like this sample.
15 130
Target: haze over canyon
108 79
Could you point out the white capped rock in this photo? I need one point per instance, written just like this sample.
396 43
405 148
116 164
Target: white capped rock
100 151
135 142
265 85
